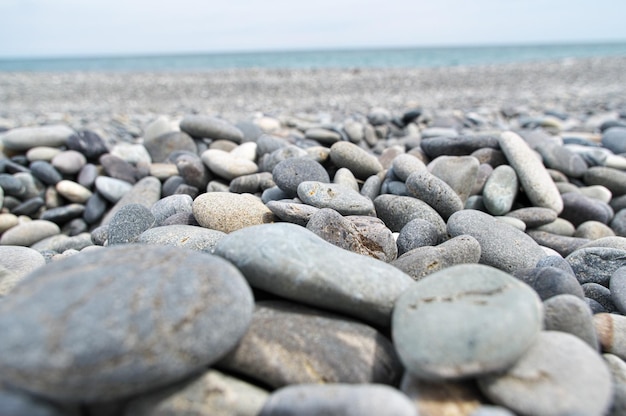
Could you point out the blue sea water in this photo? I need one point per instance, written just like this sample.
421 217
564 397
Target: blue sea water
352 58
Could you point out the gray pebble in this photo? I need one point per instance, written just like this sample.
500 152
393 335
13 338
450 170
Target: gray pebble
416 233
500 190
614 139
170 205
161 146
345 177
88 143
600 294
610 242
95 208
268 162
293 212
322 135
561 244
62 242
568 313
63 214
11 185
228 212
45 172
596 264
618 223
180 235
28 233
88 175
435 192
193 170
613 179
18 403
559 227
146 192
289 173
550 281
210 128
617 366
24 138
361 163
398 211
578 208
15 263
227 166
128 223
253 183
534 216
562 159
457 145
112 189
342 199
460 172
118 168
593 230
405 164
69 162
617 286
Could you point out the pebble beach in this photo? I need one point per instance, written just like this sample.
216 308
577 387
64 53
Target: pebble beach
432 241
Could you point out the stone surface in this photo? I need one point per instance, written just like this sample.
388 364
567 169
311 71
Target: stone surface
15 263
146 192
24 138
272 258
229 212
361 163
182 235
210 128
112 189
556 365
451 324
596 264
128 223
578 208
613 179
460 172
435 192
416 233
119 321
170 205
618 370
534 216
449 397
288 343
227 166
69 162
293 212
342 199
28 233
569 313
500 190
289 173
161 146
550 281
45 172
398 211
89 143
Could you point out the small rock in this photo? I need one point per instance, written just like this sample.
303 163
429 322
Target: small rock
568 313
342 199
210 128
128 223
228 212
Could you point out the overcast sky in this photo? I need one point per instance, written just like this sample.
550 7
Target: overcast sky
31 28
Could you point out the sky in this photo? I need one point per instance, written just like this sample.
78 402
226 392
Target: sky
50 28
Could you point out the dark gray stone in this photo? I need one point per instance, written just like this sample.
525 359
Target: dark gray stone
457 146
210 128
118 168
550 281
45 172
578 208
63 214
120 321
29 207
600 294
170 205
561 244
416 233
290 173
398 211
11 185
95 208
251 184
293 212
596 264
613 179
361 163
193 170
128 223
89 143
534 216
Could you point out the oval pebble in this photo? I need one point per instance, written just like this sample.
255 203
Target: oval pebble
500 190
45 172
182 235
15 263
460 172
451 324
25 138
227 166
130 315
342 199
361 163
435 192
289 173
161 146
416 233
228 212
293 212
568 313
128 223
617 286
146 192
210 128
28 233
111 188
398 211
69 162
89 143
613 179
170 205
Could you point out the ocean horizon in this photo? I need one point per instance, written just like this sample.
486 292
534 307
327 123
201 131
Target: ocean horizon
393 57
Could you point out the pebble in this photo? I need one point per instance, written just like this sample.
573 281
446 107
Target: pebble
118 168
460 172
161 146
416 233
578 208
618 223
422 261
15 263
133 153
112 189
181 235
7 221
444 327
345 177
449 397
73 192
28 233
146 192
322 135
363 235
293 212
210 128
253 183
599 192
25 138
614 139
227 166
500 190
44 153
193 170
288 343
611 331
534 216
593 230
63 214
556 156
550 281
69 162
600 294
61 243
170 205
228 212
128 223
342 199
532 174
457 146
29 207
435 192
338 399
618 371
11 185
95 208
328 277
361 163
502 246
566 367
568 313
88 175
617 286
559 227
88 143
290 173
45 172
613 179
32 186
398 211
136 319
596 264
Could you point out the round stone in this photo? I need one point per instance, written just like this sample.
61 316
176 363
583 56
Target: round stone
361 163
463 321
28 233
107 324
416 233
15 263
72 191
210 128
181 235
435 192
596 264
228 212
341 198
193 170
614 139
550 281
128 223
227 166
556 365
568 313
460 172
161 146
118 168
69 162
398 211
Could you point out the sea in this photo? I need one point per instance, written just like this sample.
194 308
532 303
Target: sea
409 57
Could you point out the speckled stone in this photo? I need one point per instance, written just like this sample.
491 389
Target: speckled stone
228 212
342 199
288 343
416 233
617 286
134 318
500 190
24 138
579 208
181 235
15 263
361 163
398 211
449 324
128 223
600 294
534 216
270 256
293 212
596 264
170 205
146 192
550 281
253 183
460 172
28 233
405 164
435 192
290 173
568 368
568 313
210 128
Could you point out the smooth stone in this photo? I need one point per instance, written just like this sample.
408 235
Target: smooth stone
45 172
267 144
161 146
435 192
423 261
500 190
362 235
345 177
568 313
600 294
405 164
532 174
439 132
617 366
457 145
514 222
29 207
28 233
361 163
271 194
618 223
212 393
616 161
118 168
63 214
561 244
180 235
559 227
268 162
322 135
491 157
338 399
133 153
128 223
253 183
328 277
610 242
69 162
88 143
354 130
502 246
182 218
398 211
292 212
228 212
598 192
73 192
7 221
146 192
562 159
44 153
596 264
11 185
566 367
290 173
460 172
534 216
163 171
25 138
550 281
449 324
61 243
617 286
287 343
193 170
32 186
342 199
611 331
448 397
416 233
210 128
95 208
18 403
227 166
614 139
224 145
579 208
613 179
245 151
88 175
112 189
15 263
170 205
595 306
134 319
593 230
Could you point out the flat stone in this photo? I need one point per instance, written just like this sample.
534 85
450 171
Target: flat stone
161 146
45 153
422 261
500 190
335 399
181 235
460 172
29 207
170 205
593 230
24 138
328 277
550 281
599 192
128 223
398 211
361 163
578 208
502 246
457 146
32 186
435 192
613 179
118 168
112 189
446 325
28 233
193 170
69 162
322 135
416 233
133 318
210 128
11 185
534 216
559 227
568 313
63 214
288 343
596 264
72 191
61 243
15 263
561 244
227 166
405 164
342 199
146 192
610 242
228 212
532 174
293 212
567 367
89 143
